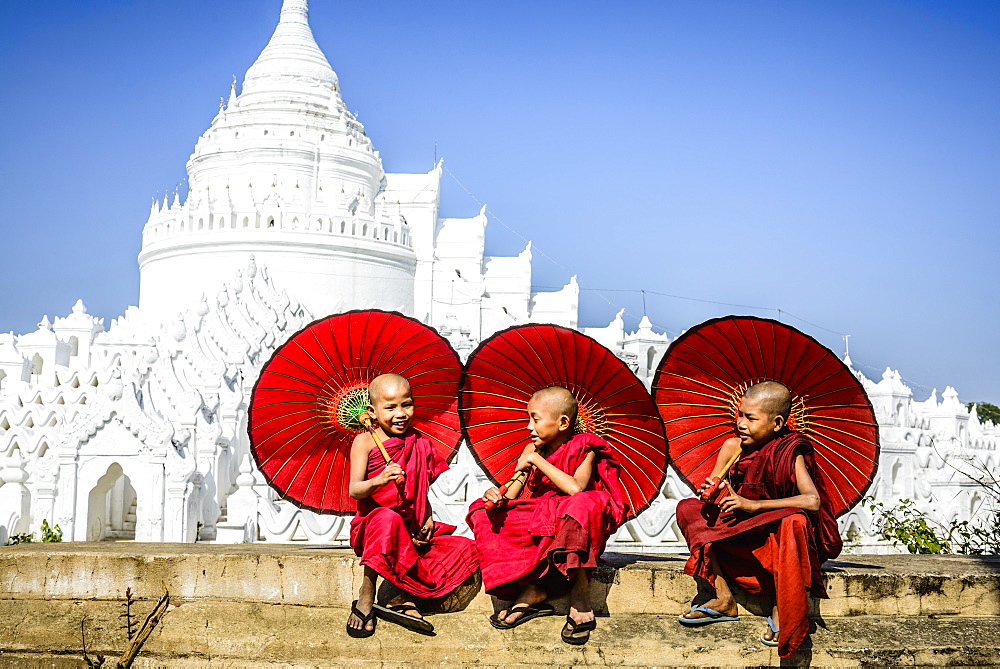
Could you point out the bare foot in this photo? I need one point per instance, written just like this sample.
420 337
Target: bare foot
530 596
580 610
726 607
366 598
769 634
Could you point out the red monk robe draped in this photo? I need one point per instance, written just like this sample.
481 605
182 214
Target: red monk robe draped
776 552
547 535
382 531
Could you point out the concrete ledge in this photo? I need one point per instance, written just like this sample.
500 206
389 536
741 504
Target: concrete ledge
255 605
910 585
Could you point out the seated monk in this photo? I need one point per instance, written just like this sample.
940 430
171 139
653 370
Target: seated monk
393 532
771 531
543 537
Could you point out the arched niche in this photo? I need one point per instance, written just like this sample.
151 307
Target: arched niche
111 507
897 478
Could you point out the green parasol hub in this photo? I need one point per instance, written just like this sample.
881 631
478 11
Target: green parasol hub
345 408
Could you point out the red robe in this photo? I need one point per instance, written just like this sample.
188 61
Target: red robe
777 552
382 531
546 535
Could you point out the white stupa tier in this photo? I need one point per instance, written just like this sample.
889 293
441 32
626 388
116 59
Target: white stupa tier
287 173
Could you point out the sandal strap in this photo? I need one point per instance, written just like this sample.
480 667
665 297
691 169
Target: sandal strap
523 609
364 619
588 626
774 629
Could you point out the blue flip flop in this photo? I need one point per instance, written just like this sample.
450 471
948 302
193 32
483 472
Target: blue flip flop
712 616
770 642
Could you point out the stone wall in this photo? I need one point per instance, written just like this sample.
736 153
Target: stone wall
140 432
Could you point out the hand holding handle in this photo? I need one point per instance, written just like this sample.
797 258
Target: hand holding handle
368 423
716 490
488 504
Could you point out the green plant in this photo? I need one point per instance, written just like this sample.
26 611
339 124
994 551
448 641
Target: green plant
907 525
980 538
22 538
51 534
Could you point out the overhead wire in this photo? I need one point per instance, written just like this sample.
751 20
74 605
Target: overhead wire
600 292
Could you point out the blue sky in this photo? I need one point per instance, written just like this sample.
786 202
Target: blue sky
836 160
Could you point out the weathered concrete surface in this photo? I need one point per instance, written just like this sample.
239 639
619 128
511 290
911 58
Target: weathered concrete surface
310 576
286 606
237 633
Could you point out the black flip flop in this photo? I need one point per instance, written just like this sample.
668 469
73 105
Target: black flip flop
363 632
527 613
394 614
576 633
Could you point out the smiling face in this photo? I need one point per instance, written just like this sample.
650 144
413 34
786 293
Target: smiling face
391 405
756 425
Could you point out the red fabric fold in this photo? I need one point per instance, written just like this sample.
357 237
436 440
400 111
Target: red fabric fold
776 552
382 531
547 535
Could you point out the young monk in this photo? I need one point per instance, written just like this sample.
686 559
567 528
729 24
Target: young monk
393 532
543 537
771 531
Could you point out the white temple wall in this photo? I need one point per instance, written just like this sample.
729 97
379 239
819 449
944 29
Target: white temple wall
507 280
326 280
560 307
200 482
458 281
417 198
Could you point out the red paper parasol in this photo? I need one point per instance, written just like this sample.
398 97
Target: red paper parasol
705 372
509 367
305 405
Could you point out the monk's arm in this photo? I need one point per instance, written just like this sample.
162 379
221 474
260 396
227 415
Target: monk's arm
361 485
808 498
493 494
729 447
567 484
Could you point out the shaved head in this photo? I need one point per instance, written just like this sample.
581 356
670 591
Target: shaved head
384 384
557 400
772 397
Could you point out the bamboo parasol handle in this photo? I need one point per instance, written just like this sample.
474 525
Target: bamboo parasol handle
505 487
715 486
366 421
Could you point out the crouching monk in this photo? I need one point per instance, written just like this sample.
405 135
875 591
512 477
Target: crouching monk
772 530
393 532
542 539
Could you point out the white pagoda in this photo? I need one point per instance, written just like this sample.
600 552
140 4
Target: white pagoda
138 431
287 173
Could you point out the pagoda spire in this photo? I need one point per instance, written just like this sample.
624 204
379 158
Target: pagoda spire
291 62
294 11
